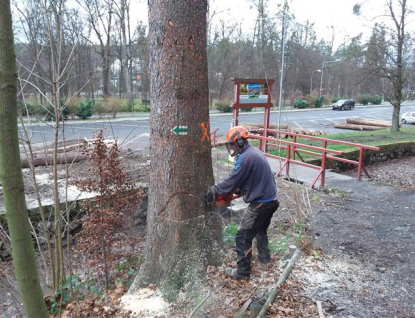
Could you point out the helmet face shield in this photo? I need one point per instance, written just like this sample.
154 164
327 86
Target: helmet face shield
232 148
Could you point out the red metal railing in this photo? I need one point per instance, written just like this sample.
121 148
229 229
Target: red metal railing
294 148
213 137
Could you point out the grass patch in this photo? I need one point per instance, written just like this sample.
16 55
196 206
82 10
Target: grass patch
336 191
229 234
369 138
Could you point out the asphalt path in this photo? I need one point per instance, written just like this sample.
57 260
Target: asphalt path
133 132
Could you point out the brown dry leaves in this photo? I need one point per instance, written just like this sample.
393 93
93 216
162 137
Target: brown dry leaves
92 308
231 294
396 172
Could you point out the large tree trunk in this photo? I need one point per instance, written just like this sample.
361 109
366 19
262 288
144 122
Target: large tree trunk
184 234
11 176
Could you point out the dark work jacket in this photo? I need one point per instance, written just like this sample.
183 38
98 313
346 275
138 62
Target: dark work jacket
252 175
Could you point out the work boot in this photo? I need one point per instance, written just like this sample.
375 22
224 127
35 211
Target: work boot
233 273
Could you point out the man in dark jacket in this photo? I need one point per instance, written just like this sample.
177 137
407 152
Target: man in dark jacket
253 177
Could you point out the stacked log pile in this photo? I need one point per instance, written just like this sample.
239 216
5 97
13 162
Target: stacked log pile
363 124
68 151
257 129
287 129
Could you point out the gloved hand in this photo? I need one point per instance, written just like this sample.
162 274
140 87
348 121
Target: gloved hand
210 195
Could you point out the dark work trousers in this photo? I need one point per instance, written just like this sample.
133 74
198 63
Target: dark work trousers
254 223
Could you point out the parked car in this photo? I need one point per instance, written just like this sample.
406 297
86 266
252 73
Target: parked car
343 104
408 118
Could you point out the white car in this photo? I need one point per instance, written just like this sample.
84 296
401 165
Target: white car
408 118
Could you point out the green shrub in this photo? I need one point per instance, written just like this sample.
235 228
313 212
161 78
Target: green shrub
84 110
143 108
73 104
126 108
319 102
223 107
26 109
336 99
364 99
44 111
48 112
229 234
247 109
301 103
376 100
130 107
64 109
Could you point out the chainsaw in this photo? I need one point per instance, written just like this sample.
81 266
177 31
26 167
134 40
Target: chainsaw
222 199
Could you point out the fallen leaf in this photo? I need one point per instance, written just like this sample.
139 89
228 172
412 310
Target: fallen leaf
284 309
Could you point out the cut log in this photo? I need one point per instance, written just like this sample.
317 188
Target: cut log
68 142
368 122
357 127
46 161
61 149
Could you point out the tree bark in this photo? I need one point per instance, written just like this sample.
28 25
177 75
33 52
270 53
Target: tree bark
24 260
184 234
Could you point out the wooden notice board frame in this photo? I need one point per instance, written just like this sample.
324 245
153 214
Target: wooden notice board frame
252 92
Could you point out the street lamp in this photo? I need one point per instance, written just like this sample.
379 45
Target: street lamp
322 72
311 84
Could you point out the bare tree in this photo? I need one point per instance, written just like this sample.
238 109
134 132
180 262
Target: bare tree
224 60
55 58
394 51
100 17
143 55
123 13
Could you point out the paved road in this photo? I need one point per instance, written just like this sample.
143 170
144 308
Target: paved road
133 132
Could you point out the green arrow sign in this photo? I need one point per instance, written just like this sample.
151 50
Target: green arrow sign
180 130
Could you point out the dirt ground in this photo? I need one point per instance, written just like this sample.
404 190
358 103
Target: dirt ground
367 231
359 263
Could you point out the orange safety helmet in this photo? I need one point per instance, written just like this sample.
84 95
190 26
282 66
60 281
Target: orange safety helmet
235 140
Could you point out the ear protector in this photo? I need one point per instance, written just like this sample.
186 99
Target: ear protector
240 142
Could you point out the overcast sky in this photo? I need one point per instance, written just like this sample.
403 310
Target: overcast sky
327 15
